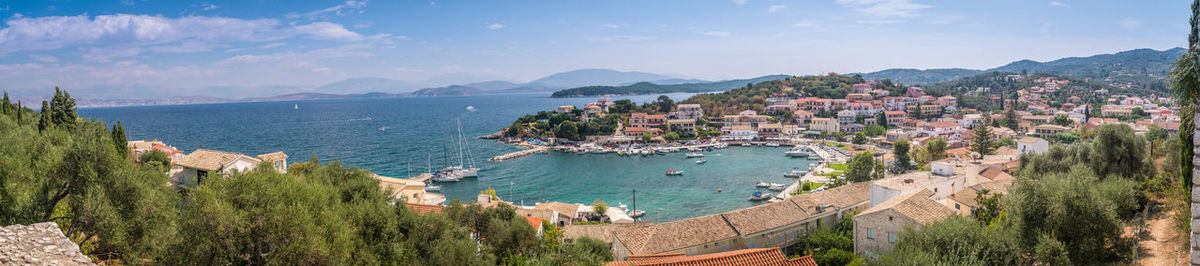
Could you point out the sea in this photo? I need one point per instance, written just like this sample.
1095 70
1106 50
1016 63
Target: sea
401 137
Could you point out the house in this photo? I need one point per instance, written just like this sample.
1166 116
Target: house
593 111
914 92
139 147
1032 145
646 120
770 130
964 202
748 117
639 131
941 184
970 120
877 229
685 126
602 232
802 117
202 163
408 190
536 223
741 132
564 109
566 212
1049 130
846 117
857 97
688 111
827 125
895 117
278 160
772 256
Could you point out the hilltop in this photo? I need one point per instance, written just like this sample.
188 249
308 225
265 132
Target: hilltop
653 88
1144 67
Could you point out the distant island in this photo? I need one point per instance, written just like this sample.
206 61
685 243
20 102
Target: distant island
652 88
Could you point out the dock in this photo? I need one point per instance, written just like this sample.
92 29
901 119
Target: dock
520 153
422 177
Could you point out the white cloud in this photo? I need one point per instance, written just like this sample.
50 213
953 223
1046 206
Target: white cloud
273 45
611 26
208 6
621 38
127 31
327 31
405 69
184 47
44 58
774 8
1130 23
306 59
1059 4
346 8
495 26
322 69
884 8
740 2
721 34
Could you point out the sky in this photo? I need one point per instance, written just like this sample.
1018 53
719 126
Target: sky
150 48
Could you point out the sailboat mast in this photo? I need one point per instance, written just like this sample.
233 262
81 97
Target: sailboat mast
460 142
470 156
429 163
445 155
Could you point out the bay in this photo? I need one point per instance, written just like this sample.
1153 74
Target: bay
398 137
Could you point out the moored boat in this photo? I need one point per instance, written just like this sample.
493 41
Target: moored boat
762 184
674 172
775 187
759 196
636 214
701 161
694 154
795 173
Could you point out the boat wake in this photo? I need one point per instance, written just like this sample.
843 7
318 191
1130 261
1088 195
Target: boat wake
361 119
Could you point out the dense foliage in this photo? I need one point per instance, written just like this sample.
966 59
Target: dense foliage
754 96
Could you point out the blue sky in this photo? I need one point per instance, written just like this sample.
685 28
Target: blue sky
131 48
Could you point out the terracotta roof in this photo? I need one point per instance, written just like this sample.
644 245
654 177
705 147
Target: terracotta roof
675 235
916 206
210 160
539 213
424 209
996 187
563 209
755 256
995 173
1028 140
966 197
274 156
534 222
603 232
765 217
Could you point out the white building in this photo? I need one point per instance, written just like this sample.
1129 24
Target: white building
201 164
941 185
1032 145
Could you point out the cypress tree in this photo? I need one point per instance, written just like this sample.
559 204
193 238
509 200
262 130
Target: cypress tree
983 142
1187 106
118 137
5 104
19 110
44 118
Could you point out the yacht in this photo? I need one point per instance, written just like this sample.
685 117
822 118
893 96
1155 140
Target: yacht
775 187
759 196
762 184
795 173
772 144
701 161
694 154
430 187
636 214
674 172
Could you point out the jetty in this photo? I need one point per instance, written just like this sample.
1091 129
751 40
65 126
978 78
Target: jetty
520 153
422 177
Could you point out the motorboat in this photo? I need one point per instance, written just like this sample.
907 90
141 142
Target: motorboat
746 144
599 151
701 161
762 184
772 144
674 172
636 214
430 187
759 196
797 153
694 154
795 173
775 187
447 176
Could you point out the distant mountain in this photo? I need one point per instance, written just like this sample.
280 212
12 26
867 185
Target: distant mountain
651 88
304 96
453 90
368 84
1138 63
494 85
917 76
669 81
1138 66
594 77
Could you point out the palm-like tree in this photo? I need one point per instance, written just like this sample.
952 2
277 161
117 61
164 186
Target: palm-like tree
1186 79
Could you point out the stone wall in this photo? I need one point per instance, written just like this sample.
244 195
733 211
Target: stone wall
1195 236
38 244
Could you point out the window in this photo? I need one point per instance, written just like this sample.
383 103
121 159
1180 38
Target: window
892 238
956 207
870 233
200 175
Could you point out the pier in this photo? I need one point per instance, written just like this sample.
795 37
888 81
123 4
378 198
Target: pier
518 154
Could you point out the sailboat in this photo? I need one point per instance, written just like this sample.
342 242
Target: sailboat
463 169
296 107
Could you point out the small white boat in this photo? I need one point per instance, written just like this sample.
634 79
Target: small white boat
694 154
772 144
775 187
746 144
636 214
599 151
701 161
759 196
430 187
674 172
762 184
795 173
296 107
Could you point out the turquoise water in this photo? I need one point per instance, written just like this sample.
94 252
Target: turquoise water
390 135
